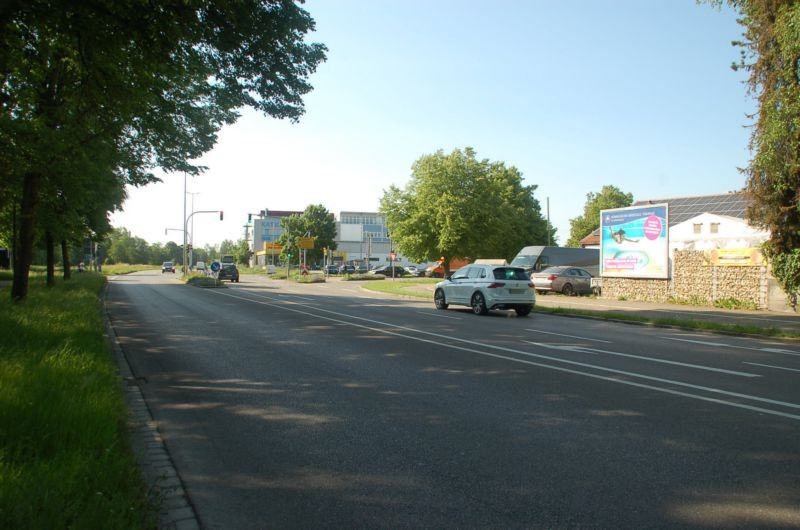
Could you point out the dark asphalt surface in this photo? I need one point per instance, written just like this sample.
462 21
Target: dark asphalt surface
320 406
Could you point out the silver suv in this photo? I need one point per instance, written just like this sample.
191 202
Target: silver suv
486 287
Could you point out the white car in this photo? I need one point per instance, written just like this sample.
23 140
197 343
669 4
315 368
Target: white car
486 287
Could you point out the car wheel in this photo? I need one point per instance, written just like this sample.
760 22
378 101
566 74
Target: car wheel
439 300
523 310
567 289
541 292
479 304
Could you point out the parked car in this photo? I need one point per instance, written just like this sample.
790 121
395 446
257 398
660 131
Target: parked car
566 280
412 270
331 269
347 269
437 271
487 287
167 266
386 270
362 269
228 271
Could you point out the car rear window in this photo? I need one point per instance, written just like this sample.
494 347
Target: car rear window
507 273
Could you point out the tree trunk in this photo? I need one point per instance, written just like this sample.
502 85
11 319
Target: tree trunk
51 258
65 259
24 255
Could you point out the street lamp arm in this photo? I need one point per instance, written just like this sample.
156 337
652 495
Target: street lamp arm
186 224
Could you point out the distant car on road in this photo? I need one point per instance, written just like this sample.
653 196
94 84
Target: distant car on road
201 267
347 269
386 270
167 266
487 287
228 271
331 269
566 280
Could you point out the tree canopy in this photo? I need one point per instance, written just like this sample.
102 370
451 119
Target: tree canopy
94 95
457 206
770 50
316 222
608 197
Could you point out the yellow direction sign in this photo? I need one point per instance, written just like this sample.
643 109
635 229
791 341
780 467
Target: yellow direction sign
305 243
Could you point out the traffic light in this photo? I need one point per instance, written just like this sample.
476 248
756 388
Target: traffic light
220 215
249 217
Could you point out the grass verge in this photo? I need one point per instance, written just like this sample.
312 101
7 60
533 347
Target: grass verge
412 288
65 459
124 268
416 287
684 323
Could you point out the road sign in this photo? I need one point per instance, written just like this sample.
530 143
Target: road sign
306 243
215 266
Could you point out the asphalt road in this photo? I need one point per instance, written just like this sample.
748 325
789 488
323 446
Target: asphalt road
325 406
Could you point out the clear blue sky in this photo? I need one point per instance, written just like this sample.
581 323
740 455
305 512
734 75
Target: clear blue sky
576 95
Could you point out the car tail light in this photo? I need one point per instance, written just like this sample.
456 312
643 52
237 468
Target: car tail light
552 277
531 285
495 285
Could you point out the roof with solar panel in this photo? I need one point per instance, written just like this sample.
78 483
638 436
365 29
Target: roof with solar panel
681 209
732 204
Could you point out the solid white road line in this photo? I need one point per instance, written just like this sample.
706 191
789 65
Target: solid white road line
583 349
570 336
771 366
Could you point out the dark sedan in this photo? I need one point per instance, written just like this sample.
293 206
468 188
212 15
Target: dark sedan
386 270
228 271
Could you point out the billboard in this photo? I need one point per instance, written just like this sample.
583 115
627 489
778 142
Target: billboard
634 242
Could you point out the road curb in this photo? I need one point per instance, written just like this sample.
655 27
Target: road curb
164 485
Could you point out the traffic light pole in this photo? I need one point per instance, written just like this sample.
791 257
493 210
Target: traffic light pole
186 224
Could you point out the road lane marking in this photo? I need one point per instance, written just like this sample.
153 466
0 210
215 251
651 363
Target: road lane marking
779 350
771 366
583 349
429 313
271 302
570 336
749 348
297 296
703 342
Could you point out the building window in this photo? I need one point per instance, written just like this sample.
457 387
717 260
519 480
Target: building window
715 228
698 227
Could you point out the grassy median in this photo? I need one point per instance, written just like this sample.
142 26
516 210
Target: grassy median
65 460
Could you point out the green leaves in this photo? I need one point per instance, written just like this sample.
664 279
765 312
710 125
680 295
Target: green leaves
609 197
95 95
458 206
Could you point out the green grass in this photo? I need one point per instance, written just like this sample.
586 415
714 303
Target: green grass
65 461
124 268
201 280
404 287
671 322
411 288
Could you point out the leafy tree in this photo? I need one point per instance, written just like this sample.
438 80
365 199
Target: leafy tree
770 51
114 89
315 221
241 252
609 197
458 206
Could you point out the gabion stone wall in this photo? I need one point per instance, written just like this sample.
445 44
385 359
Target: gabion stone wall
694 282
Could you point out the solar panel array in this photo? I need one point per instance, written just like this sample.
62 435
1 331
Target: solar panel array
684 208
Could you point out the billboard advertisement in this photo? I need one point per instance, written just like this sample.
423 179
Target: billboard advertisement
634 242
